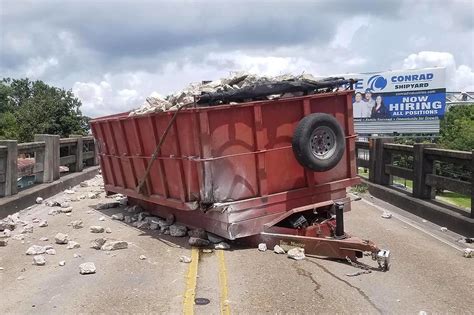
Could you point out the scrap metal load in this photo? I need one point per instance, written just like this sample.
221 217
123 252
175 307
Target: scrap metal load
241 87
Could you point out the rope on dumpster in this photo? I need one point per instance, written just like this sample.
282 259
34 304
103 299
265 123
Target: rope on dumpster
158 147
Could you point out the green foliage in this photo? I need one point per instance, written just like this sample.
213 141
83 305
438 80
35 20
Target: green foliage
33 107
457 128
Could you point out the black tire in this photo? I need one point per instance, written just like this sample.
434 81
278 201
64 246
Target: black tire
318 142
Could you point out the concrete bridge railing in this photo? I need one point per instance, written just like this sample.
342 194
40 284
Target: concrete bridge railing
426 166
46 156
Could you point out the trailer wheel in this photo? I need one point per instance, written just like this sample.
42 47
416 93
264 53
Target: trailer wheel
318 142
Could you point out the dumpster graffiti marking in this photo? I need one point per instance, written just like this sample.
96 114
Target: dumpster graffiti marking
225 308
191 280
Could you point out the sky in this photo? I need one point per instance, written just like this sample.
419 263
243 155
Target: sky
113 54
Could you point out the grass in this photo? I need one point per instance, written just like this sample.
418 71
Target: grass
455 199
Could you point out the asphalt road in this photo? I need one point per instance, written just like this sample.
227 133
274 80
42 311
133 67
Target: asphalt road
428 271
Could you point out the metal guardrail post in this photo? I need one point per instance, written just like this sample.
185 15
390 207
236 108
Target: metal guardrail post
421 167
51 157
9 187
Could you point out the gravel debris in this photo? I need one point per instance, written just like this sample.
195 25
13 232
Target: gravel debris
222 245
178 230
62 263
39 200
198 242
43 223
97 243
114 245
278 249
77 224
73 245
102 218
185 259
142 257
262 247
118 216
108 230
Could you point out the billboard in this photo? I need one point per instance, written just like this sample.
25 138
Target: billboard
404 95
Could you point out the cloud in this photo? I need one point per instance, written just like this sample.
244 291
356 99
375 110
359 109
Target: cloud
459 78
114 55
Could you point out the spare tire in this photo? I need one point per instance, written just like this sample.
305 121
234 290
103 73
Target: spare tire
318 142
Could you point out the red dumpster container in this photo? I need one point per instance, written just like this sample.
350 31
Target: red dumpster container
244 171
229 169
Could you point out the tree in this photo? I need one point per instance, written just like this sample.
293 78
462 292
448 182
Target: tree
457 128
31 107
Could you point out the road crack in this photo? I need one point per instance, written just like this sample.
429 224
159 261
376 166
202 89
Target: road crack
305 273
362 293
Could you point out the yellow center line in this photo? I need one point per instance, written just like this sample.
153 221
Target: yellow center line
225 308
191 280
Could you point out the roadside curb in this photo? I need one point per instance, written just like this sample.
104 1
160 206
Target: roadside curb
27 197
437 214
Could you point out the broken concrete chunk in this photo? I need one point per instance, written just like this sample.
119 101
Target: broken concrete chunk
53 212
84 184
107 205
6 233
114 245
94 195
39 200
444 229
73 245
213 238
3 242
170 219
386 215
27 229
87 268
154 225
39 260
178 230
61 238
199 233
36 220
43 223
62 263
77 255
97 243
65 204
143 215
296 253
102 218
51 251
185 259
20 237
198 242
44 239
69 191
118 216
35 250
222 245
278 249
77 224
7 223
468 253
262 247
127 219
108 230
97 229
142 257
66 210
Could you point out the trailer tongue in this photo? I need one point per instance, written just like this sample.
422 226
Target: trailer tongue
267 171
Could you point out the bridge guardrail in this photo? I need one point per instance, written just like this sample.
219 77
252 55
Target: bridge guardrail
47 153
425 161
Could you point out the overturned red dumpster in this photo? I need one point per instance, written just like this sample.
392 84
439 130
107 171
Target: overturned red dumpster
273 171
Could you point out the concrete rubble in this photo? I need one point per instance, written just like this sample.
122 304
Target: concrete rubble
114 245
73 245
87 268
262 247
62 263
61 238
97 229
185 259
108 230
468 253
278 249
39 260
222 245
43 223
386 215
107 205
37 249
97 243
77 224
296 253
27 229
198 242
178 230
39 200
142 257
3 242
51 251
118 216
235 81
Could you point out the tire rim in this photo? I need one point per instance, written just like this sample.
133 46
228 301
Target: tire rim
323 142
